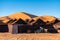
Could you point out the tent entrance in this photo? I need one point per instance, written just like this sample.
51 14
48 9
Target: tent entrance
22 29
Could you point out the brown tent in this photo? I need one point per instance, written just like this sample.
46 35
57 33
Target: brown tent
3 27
15 26
57 25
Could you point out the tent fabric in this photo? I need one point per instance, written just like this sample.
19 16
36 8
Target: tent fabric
19 21
57 25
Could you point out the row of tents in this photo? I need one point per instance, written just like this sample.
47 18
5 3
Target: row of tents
22 22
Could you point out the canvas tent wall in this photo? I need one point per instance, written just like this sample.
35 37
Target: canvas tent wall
3 27
15 26
57 25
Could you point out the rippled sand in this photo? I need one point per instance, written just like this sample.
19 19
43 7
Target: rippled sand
31 36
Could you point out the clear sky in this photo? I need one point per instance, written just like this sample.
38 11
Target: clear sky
36 7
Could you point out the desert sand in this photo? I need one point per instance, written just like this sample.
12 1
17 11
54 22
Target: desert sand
30 36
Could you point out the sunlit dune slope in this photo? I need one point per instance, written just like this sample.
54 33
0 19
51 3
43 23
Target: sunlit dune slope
51 19
21 15
1 23
5 19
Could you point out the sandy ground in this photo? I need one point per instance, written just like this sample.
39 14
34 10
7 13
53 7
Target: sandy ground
31 36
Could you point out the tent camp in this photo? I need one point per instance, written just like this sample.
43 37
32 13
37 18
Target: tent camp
15 26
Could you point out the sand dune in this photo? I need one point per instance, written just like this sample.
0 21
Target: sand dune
21 15
26 16
51 19
5 19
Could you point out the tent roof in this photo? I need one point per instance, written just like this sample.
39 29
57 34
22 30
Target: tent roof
58 23
19 21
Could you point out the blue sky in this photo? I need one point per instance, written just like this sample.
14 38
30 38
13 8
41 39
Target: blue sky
36 7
